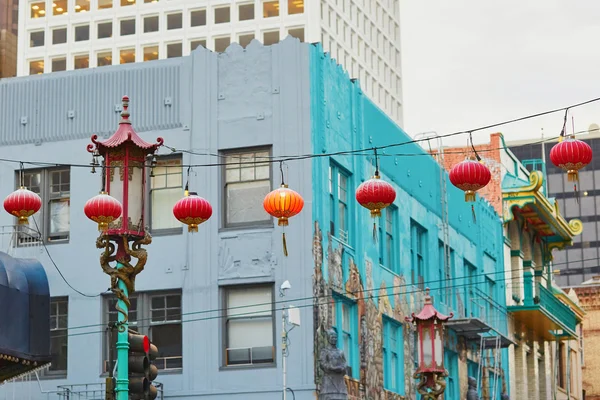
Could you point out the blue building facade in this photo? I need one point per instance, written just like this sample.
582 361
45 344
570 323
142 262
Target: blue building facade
375 284
214 110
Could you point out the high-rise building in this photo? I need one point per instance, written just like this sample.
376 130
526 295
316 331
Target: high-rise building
9 10
363 36
579 262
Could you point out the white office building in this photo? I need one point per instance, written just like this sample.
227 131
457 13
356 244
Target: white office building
363 35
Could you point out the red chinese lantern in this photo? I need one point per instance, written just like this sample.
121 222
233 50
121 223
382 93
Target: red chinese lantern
192 210
22 203
470 176
571 155
103 209
375 195
283 203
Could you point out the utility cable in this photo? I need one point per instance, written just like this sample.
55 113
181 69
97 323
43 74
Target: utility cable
367 151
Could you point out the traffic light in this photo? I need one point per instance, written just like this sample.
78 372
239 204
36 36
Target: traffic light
141 370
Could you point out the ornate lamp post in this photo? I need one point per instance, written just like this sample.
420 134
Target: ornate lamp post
124 179
430 330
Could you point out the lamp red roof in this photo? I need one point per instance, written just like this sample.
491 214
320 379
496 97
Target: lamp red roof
428 312
124 133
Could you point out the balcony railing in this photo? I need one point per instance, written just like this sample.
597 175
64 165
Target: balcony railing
556 308
20 241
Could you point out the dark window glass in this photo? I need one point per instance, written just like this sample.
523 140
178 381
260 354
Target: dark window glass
198 18
82 33
151 24
105 30
174 21
127 27
59 36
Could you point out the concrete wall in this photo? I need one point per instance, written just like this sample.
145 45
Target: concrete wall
344 119
202 103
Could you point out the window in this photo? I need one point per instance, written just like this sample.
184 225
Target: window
295 7
38 10
270 38
222 15
60 8
393 365
59 64
53 186
127 56
418 244
222 43
195 43
81 62
104 58
59 320
174 50
82 33
127 3
387 249
36 39
469 282
103 4
105 29
198 18
346 325
150 53
247 181
151 24
174 21
271 9
246 12
59 36
156 314
298 33
82 6
248 330
128 27
338 194
245 39
166 183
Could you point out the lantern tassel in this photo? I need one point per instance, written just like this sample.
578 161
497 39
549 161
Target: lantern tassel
285 252
374 232
473 211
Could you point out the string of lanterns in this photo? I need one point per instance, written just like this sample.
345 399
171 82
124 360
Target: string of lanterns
284 203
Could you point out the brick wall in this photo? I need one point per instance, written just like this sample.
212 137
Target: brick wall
490 154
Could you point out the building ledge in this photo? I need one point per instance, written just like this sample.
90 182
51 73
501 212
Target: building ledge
474 329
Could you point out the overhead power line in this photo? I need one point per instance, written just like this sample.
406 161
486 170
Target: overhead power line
365 151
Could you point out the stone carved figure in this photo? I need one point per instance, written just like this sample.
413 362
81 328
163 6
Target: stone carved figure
333 364
472 391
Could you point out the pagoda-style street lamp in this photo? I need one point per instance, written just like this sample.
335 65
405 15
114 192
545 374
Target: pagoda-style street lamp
124 180
429 324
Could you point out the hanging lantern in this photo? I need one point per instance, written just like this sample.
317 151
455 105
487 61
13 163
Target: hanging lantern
192 210
375 195
103 209
571 155
470 176
283 203
429 324
22 203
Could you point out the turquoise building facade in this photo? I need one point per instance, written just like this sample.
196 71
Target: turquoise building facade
375 282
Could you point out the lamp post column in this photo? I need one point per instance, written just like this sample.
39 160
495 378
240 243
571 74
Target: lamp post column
122 386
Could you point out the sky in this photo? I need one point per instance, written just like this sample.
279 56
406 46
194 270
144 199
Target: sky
472 63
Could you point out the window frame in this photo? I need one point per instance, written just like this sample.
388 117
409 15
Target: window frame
418 254
334 173
353 356
388 324
163 231
62 373
223 294
83 25
267 222
45 194
388 257
143 325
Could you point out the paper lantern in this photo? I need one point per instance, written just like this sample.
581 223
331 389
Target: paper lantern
571 155
283 203
22 203
375 195
470 176
103 209
192 210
